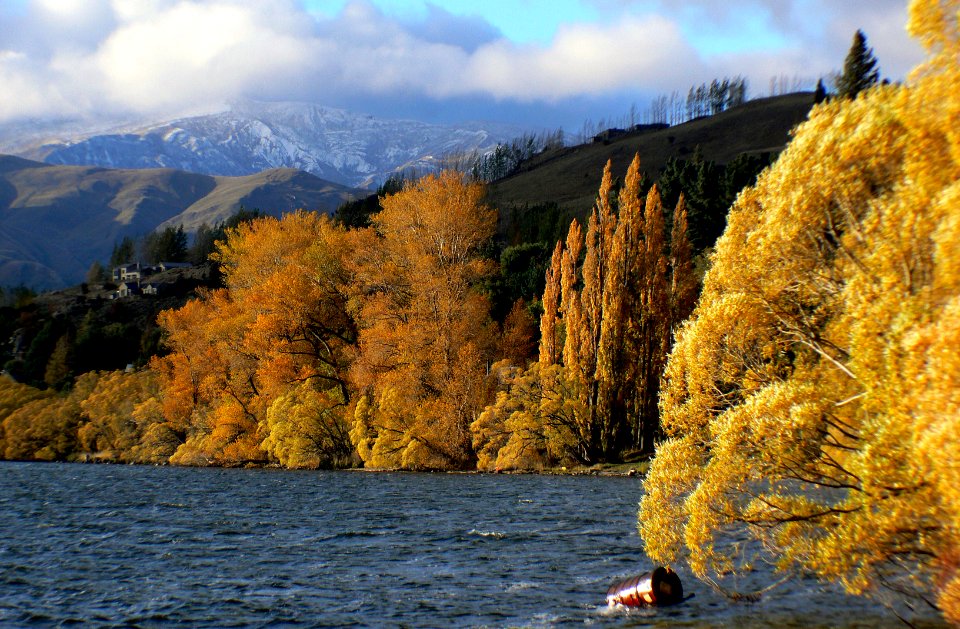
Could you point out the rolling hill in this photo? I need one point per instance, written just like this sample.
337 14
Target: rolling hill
571 176
56 220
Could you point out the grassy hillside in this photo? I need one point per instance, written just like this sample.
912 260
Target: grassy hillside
570 177
56 220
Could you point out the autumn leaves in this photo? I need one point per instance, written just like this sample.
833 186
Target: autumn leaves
426 336
333 347
811 402
612 298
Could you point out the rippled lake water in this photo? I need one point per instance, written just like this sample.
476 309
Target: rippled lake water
144 546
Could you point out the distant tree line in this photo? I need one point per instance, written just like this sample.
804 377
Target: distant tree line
718 96
705 99
505 159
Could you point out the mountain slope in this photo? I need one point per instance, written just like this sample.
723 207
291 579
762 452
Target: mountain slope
56 220
334 144
571 176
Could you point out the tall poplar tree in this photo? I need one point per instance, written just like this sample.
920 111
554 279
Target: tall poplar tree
606 329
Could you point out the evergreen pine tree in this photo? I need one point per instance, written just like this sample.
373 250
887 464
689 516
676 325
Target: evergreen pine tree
96 274
820 94
123 252
859 70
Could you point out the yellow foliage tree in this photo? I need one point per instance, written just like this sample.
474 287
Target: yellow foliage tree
306 429
426 334
535 421
814 397
13 396
45 429
117 419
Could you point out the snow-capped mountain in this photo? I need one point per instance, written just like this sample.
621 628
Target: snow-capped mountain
340 146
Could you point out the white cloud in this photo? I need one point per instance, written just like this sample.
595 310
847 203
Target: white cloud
583 59
158 57
817 33
192 53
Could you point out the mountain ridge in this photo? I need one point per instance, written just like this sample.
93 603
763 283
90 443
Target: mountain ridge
357 150
56 220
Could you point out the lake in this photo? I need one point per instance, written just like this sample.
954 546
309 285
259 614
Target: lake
101 545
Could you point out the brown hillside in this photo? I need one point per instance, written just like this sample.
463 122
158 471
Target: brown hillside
285 188
570 177
57 220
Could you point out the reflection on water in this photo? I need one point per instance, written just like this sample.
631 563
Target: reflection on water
121 545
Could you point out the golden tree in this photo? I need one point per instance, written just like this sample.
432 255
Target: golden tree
279 326
13 397
813 397
122 416
45 428
425 333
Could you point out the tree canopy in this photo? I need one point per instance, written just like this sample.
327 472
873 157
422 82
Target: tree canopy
425 330
812 402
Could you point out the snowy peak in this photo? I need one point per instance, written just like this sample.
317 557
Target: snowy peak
334 144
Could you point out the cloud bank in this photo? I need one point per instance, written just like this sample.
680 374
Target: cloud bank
115 58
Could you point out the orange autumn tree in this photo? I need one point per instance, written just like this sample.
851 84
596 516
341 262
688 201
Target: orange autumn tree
279 328
425 331
812 402
605 331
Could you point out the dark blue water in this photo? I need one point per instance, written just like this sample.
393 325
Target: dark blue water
143 546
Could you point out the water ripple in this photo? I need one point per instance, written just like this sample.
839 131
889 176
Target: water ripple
121 546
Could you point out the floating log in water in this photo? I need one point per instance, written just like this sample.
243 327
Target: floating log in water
660 587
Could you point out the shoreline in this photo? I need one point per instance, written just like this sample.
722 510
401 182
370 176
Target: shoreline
631 469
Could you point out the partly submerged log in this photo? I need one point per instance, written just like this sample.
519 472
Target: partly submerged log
660 587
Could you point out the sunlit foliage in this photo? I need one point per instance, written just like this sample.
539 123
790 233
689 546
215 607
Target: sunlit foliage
814 398
306 428
13 396
123 420
45 428
108 416
279 326
425 333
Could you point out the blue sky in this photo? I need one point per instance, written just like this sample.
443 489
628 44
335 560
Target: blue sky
538 19
535 63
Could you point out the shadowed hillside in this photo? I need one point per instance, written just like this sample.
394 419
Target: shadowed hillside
570 177
56 220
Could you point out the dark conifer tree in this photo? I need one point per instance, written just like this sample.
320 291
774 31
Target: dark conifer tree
820 94
859 70
167 245
123 252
